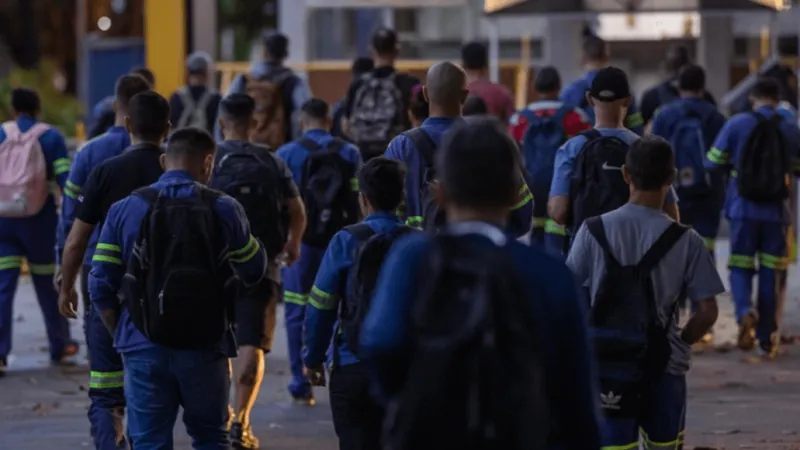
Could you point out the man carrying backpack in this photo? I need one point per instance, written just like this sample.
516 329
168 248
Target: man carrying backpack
587 177
171 308
361 66
196 104
376 106
541 128
498 99
468 330
262 183
32 154
343 291
103 114
446 91
278 92
760 150
324 168
668 91
595 58
639 265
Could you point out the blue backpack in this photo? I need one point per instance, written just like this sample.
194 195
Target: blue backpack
689 144
544 136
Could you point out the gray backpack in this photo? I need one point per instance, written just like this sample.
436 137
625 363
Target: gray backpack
194 113
377 114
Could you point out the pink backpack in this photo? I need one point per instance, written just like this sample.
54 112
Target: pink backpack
23 171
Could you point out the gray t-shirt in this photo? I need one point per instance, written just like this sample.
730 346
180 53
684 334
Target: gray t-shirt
688 267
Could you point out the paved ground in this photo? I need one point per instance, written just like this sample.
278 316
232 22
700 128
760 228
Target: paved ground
732 404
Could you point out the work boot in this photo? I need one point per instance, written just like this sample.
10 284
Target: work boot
242 438
747 331
307 399
3 367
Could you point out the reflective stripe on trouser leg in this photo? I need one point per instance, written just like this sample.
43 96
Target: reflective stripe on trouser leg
671 445
9 274
106 412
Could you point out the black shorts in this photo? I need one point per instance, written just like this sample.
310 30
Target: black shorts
255 315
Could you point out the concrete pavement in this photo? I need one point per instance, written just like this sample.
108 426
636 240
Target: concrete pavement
732 404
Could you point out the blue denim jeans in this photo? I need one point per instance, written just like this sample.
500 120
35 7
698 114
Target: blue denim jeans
158 381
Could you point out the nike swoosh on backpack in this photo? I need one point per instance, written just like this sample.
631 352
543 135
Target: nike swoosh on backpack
607 167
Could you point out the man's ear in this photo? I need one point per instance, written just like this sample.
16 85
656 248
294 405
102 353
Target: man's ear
128 125
464 95
625 174
673 175
589 99
163 161
439 194
425 93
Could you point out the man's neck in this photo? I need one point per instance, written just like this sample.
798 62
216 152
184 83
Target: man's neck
765 104
137 141
241 137
549 97
383 62
476 75
607 124
119 120
455 215
649 199
445 112
688 94
595 65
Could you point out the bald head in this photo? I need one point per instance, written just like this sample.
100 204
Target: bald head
446 85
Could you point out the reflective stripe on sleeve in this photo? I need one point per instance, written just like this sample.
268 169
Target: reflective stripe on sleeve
717 156
61 165
245 253
552 227
106 380
10 262
634 120
295 298
322 300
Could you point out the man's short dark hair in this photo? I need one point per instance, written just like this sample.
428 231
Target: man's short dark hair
650 163
677 58
547 80
276 45
148 113
382 180
145 73
237 108
127 87
766 89
419 107
692 78
25 101
385 41
315 109
475 106
480 147
190 142
474 56
595 48
362 65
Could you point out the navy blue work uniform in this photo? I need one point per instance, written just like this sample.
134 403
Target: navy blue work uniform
356 416
703 215
574 94
33 238
299 277
756 228
561 320
158 380
112 180
402 149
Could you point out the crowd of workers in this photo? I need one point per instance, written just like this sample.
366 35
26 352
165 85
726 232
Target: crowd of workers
467 275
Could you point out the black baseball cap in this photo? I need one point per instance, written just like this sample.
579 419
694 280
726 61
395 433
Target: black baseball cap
610 84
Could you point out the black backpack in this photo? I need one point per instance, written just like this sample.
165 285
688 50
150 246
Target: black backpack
249 174
327 191
476 378
363 276
597 185
178 287
764 166
432 216
630 341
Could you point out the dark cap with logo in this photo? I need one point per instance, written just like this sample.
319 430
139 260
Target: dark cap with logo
610 84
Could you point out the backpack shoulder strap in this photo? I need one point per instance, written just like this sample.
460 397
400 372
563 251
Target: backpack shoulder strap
309 144
424 144
596 228
335 146
561 113
147 193
361 231
591 135
205 99
662 246
208 196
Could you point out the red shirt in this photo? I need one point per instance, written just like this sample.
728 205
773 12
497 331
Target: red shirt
497 97
575 121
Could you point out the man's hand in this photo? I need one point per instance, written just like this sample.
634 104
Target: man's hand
292 251
68 304
315 374
57 278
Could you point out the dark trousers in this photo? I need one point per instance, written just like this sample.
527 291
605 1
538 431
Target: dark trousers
357 418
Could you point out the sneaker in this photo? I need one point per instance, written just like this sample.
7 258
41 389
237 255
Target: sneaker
762 355
3 367
747 332
242 438
307 399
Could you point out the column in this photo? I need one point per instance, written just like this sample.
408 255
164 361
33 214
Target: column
715 52
293 20
204 26
562 47
165 43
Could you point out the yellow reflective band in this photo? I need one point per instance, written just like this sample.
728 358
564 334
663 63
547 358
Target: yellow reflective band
73 187
61 165
621 447
634 120
552 227
105 258
94 374
773 262
10 262
106 385
674 444
245 253
709 242
42 269
742 261
295 298
109 247
526 197
69 193
322 300
717 156
414 222
539 222
354 184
